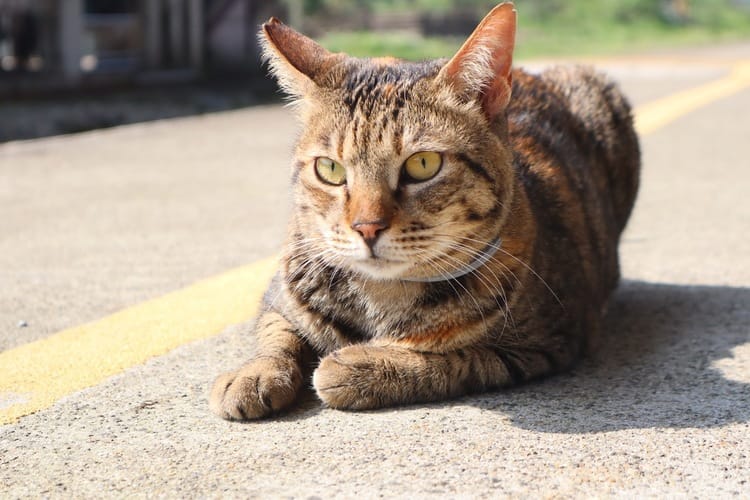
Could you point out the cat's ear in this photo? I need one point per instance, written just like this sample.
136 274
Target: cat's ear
481 69
295 60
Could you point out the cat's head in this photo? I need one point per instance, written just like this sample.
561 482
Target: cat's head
402 170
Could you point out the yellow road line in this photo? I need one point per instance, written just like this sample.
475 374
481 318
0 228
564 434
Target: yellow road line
35 375
653 116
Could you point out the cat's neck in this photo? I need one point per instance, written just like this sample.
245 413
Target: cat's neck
481 259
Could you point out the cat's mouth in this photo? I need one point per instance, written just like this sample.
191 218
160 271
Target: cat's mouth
379 267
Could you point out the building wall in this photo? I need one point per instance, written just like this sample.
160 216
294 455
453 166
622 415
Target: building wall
80 43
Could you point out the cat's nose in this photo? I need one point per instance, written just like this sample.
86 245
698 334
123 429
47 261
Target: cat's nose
370 230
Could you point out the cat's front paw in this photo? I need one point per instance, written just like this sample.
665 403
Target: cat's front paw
256 390
353 378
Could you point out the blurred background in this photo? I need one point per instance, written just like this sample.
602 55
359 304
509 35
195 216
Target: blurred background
74 65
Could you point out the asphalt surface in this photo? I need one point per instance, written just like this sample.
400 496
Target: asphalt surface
97 222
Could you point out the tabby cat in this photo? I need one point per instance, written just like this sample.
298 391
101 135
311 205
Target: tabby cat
454 229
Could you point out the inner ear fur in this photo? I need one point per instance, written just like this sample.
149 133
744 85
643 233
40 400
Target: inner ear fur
481 69
295 60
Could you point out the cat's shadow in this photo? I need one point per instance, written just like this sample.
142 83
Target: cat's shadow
666 361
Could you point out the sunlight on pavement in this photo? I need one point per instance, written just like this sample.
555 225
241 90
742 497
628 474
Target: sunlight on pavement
736 368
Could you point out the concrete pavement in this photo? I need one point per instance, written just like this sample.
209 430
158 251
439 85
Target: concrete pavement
101 221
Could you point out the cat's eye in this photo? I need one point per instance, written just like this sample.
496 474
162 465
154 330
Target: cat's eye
329 171
423 166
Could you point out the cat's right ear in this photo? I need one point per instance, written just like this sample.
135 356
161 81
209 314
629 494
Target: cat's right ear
481 69
295 60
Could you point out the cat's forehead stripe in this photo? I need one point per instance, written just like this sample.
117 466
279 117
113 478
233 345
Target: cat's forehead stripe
371 83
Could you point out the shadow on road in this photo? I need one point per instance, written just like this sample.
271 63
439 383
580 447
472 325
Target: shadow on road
657 367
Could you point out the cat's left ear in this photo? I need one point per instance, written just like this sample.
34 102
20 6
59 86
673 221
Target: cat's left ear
295 60
481 69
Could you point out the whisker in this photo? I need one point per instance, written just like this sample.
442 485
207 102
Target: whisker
499 248
491 286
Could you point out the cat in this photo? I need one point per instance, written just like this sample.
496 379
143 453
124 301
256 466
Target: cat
454 230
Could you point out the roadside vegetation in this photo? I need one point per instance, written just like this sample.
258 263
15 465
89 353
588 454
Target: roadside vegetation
546 27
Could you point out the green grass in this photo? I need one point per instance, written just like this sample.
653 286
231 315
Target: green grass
532 43
409 46
565 28
539 41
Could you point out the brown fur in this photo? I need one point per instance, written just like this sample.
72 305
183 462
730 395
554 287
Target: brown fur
553 171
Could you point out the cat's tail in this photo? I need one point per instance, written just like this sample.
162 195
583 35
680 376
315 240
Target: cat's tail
605 112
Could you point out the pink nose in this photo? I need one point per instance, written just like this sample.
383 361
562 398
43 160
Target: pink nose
370 230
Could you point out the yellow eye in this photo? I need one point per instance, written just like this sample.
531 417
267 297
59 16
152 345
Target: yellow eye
422 166
329 171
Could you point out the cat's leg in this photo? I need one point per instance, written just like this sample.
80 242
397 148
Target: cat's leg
367 376
270 381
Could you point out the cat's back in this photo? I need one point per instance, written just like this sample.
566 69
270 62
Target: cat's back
577 154
575 122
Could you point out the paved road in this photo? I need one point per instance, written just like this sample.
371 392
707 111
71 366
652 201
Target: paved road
99 222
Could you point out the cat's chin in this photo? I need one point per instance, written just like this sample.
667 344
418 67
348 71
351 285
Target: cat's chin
381 269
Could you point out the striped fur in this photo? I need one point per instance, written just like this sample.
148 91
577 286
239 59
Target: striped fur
554 174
